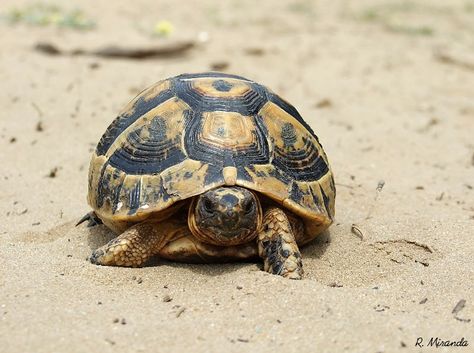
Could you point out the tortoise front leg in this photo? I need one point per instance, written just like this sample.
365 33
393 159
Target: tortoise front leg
135 246
277 245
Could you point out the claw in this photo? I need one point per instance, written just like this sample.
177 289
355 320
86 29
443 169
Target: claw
96 255
91 218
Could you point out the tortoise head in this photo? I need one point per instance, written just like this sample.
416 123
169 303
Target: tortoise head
225 216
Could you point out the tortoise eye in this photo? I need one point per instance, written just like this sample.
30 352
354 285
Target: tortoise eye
208 205
248 207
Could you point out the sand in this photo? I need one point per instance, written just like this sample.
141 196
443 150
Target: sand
388 88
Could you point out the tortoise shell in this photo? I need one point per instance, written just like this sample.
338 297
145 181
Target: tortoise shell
194 132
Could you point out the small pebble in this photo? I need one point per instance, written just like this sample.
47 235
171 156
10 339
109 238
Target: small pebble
459 306
39 126
180 311
167 298
219 65
254 51
335 285
324 103
53 172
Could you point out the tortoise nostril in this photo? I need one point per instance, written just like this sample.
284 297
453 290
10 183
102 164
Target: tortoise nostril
231 215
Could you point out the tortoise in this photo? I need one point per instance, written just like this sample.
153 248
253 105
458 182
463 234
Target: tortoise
210 167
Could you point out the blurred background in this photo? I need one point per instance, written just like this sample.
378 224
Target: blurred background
378 80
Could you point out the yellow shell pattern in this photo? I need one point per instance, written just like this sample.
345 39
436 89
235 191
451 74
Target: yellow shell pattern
195 132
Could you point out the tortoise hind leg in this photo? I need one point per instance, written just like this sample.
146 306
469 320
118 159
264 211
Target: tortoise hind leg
135 246
277 245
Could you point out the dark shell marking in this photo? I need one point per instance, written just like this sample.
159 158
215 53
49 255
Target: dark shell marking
174 140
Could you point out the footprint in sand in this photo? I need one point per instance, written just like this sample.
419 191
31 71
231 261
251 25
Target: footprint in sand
348 261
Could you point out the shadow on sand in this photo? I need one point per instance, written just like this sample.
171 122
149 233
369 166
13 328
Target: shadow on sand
100 235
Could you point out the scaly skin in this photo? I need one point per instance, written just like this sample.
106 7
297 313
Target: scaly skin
277 245
173 239
135 246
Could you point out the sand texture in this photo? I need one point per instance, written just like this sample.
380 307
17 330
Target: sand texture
388 87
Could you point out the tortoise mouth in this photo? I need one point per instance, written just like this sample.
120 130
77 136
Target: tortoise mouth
220 235
240 232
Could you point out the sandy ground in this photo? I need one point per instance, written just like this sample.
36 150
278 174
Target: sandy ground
389 89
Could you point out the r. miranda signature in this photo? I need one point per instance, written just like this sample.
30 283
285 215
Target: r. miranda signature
438 342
